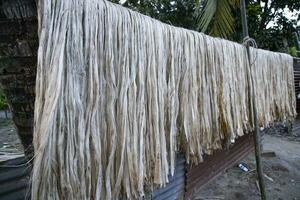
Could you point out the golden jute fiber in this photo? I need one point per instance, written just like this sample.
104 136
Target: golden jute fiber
119 93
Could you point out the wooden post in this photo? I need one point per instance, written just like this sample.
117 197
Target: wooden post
257 136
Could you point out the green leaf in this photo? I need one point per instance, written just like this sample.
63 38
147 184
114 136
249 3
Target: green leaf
216 17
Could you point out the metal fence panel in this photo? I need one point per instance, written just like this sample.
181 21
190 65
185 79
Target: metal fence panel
175 188
14 179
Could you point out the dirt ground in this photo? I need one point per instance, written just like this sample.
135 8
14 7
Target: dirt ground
283 170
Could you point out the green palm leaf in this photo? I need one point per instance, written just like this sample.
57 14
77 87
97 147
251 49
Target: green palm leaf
216 18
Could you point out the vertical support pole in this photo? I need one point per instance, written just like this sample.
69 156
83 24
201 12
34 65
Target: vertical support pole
257 136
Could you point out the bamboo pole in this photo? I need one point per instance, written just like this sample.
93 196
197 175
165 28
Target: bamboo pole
257 136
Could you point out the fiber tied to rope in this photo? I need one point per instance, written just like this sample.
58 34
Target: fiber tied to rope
249 41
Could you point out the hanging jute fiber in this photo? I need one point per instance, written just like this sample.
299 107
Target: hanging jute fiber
119 94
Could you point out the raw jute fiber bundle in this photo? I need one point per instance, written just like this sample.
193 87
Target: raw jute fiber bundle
118 94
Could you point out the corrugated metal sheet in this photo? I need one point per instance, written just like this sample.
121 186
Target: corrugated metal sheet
175 188
297 82
214 165
14 179
14 175
296 127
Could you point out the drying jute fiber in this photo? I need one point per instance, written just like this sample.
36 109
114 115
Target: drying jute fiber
118 94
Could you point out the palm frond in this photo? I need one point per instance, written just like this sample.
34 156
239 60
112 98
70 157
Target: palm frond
216 18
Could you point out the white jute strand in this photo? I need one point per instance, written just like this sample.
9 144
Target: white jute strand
118 94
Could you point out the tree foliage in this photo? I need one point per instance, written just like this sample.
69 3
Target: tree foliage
269 25
178 13
216 17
